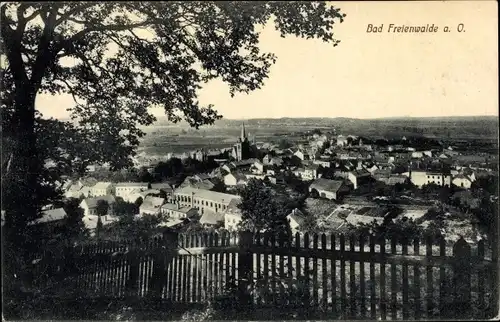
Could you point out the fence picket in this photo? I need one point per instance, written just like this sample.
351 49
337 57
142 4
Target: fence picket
117 268
352 278
416 280
373 296
394 289
405 278
442 279
481 276
324 276
307 277
315 272
333 268
430 280
343 291
362 293
298 270
383 293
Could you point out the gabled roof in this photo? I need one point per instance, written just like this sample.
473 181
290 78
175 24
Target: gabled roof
211 218
174 207
92 202
153 201
297 216
232 207
239 176
360 172
214 196
162 186
326 185
102 185
132 184
50 216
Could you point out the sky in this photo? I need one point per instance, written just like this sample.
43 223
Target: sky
370 75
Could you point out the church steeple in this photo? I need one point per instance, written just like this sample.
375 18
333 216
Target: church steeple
243 132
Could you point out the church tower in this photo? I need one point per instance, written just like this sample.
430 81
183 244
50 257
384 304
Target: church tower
241 150
243 136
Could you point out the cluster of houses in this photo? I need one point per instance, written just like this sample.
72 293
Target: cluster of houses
352 162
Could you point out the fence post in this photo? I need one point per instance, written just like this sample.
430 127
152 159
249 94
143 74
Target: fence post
164 253
131 285
245 267
462 278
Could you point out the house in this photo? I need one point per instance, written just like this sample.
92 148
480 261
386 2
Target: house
235 179
358 177
211 219
296 219
341 141
323 163
420 178
163 187
75 190
176 211
302 155
308 172
198 182
151 205
101 189
462 181
89 205
203 199
51 217
124 188
91 218
329 189
257 167
232 215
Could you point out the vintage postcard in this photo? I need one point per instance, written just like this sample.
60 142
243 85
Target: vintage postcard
241 160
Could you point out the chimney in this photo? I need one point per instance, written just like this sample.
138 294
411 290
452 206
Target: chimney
192 199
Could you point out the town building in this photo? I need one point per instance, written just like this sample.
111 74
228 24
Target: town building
329 189
203 199
242 150
420 178
101 189
175 211
122 189
359 177
232 215
151 205
89 205
235 179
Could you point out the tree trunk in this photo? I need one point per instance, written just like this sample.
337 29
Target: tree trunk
20 186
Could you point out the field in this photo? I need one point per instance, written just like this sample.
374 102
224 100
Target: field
164 137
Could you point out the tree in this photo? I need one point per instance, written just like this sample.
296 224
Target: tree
138 202
127 57
314 193
263 209
123 208
74 228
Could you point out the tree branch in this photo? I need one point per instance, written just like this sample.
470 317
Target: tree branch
73 11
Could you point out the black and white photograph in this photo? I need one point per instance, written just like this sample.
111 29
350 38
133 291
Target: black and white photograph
249 160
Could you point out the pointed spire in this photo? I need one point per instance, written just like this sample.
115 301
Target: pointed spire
243 132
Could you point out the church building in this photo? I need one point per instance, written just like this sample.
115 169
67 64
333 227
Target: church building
242 149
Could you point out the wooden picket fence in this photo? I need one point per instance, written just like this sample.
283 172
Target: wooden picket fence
348 277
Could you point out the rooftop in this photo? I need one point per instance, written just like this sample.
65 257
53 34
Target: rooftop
326 184
132 184
211 218
218 197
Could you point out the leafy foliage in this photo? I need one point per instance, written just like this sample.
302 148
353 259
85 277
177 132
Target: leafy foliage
264 208
125 58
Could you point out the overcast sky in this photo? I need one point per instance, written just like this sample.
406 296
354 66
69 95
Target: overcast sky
371 75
